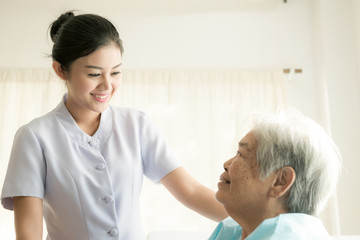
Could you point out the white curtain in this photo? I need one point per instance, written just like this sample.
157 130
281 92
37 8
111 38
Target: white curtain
200 112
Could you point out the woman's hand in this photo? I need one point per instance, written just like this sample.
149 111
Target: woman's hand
28 212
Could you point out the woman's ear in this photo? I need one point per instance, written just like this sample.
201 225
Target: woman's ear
59 70
285 178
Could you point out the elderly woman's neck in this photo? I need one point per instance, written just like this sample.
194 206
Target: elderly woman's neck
249 222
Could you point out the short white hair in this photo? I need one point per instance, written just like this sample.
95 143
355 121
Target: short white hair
288 138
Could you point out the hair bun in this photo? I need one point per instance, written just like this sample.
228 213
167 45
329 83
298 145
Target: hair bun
55 27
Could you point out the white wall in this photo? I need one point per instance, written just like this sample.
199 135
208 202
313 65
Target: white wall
277 35
318 36
338 56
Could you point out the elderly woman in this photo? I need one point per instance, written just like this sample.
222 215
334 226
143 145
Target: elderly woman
284 170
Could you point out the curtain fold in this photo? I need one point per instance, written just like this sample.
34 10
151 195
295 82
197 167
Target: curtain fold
200 113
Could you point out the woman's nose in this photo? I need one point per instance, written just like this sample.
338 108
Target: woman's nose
106 83
227 164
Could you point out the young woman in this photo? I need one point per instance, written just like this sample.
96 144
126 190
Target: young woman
81 165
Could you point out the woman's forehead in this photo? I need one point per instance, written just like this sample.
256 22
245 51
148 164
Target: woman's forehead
248 142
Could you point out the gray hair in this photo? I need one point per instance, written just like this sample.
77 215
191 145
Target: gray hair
288 138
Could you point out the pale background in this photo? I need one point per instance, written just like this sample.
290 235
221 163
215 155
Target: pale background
322 37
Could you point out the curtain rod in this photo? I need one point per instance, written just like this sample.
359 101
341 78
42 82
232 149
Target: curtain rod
289 70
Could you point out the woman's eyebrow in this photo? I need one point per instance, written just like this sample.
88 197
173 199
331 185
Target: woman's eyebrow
245 145
117 65
94 67
100 68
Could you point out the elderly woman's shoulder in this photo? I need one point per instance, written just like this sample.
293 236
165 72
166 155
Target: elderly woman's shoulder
299 226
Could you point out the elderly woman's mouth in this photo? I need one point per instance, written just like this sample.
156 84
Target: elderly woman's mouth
224 179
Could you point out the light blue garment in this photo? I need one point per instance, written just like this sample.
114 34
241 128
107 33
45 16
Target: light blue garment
90 185
294 226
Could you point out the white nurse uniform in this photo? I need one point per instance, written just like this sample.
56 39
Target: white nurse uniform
90 185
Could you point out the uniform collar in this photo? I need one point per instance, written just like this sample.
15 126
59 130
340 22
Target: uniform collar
96 141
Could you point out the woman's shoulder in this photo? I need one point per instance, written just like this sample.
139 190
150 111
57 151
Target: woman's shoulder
41 121
131 118
42 124
126 110
299 226
128 113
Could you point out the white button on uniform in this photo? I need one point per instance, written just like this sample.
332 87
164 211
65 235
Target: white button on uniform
108 199
113 232
100 166
93 142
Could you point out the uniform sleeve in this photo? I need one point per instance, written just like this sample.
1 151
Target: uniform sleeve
158 160
26 170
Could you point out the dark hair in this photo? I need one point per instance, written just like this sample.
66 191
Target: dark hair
79 36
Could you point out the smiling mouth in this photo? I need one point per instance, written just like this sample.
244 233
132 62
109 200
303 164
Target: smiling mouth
101 96
224 180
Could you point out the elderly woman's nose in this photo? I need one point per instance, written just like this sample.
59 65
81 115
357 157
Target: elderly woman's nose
227 164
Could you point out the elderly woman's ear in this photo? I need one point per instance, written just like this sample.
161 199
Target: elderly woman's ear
284 179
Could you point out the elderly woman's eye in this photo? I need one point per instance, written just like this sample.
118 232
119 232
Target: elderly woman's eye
239 153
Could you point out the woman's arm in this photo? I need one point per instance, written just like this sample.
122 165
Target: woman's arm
28 212
193 195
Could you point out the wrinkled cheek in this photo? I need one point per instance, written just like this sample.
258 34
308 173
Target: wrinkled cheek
239 186
244 177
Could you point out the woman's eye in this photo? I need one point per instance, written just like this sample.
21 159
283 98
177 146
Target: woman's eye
94 74
239 153
116 73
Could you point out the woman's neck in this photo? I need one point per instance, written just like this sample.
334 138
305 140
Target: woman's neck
89 127
87 120
250 221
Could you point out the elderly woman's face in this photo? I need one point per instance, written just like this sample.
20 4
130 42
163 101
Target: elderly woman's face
240 189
